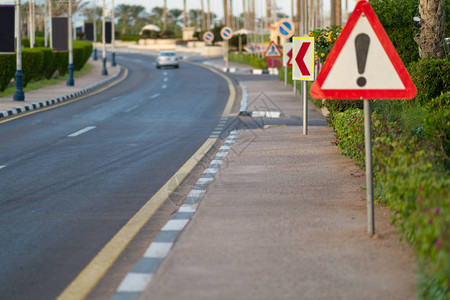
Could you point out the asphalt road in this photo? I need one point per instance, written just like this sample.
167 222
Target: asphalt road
72 176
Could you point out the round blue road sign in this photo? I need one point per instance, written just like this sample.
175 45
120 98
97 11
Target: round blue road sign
226 33
285 28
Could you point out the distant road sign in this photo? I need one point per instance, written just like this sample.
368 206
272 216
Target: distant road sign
226 33
285 28
208 37
287 55
272 51
363 63
303 53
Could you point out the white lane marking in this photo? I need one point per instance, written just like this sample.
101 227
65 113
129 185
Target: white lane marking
154 96
81 131
159 250
134 282
131 108
1 167
164 86
115 98
165 73
165 79
175 225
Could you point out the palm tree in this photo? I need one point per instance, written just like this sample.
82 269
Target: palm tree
175 14
184 15
165 15
157 12
203 16
431 38
225 12
208 16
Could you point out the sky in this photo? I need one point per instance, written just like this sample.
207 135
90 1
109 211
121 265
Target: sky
217 5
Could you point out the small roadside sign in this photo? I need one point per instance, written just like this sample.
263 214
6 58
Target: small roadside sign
226 33
208 37
303 54
287 55
272 51
363 63
285 28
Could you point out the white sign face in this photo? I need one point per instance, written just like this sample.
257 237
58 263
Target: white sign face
287 55
378 71
303 58
272 51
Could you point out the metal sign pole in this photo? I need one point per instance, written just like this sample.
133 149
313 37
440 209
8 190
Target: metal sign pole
369 174
305 106
226 61
285 75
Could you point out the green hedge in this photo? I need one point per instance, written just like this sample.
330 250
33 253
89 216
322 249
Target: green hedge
49 64
32 62
62 62
8 69
41 62
247 59
411 178
81 52
396 18
431 77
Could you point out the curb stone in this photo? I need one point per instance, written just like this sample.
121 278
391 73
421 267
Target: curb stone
45 103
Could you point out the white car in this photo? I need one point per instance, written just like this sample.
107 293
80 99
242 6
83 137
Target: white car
167 58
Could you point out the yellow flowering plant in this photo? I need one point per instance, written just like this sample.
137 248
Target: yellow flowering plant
324 40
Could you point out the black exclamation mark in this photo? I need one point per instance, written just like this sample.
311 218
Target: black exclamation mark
362 42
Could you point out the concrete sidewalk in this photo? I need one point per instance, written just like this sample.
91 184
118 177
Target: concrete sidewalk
60 92
284 219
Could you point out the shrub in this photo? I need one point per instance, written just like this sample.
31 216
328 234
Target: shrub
246 59
431 77
49 64
324 41
411 179
62 62
8 69
26 42
32 63
396 18
437 125
129 37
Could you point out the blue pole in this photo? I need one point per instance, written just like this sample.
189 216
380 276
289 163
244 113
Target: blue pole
113 61
104 70
95 53
18 93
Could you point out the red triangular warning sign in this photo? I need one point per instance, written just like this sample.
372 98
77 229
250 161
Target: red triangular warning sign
272 50
363 63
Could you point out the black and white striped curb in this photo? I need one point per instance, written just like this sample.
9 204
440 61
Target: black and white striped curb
244 100
254 114
270 71
45 103
141 275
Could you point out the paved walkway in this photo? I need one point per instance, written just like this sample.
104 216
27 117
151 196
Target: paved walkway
284 219
60 89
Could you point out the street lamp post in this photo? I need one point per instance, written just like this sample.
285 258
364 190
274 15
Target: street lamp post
104 70
113 37
18 93
70 81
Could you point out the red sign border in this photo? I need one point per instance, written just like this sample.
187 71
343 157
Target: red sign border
267 50
410 89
